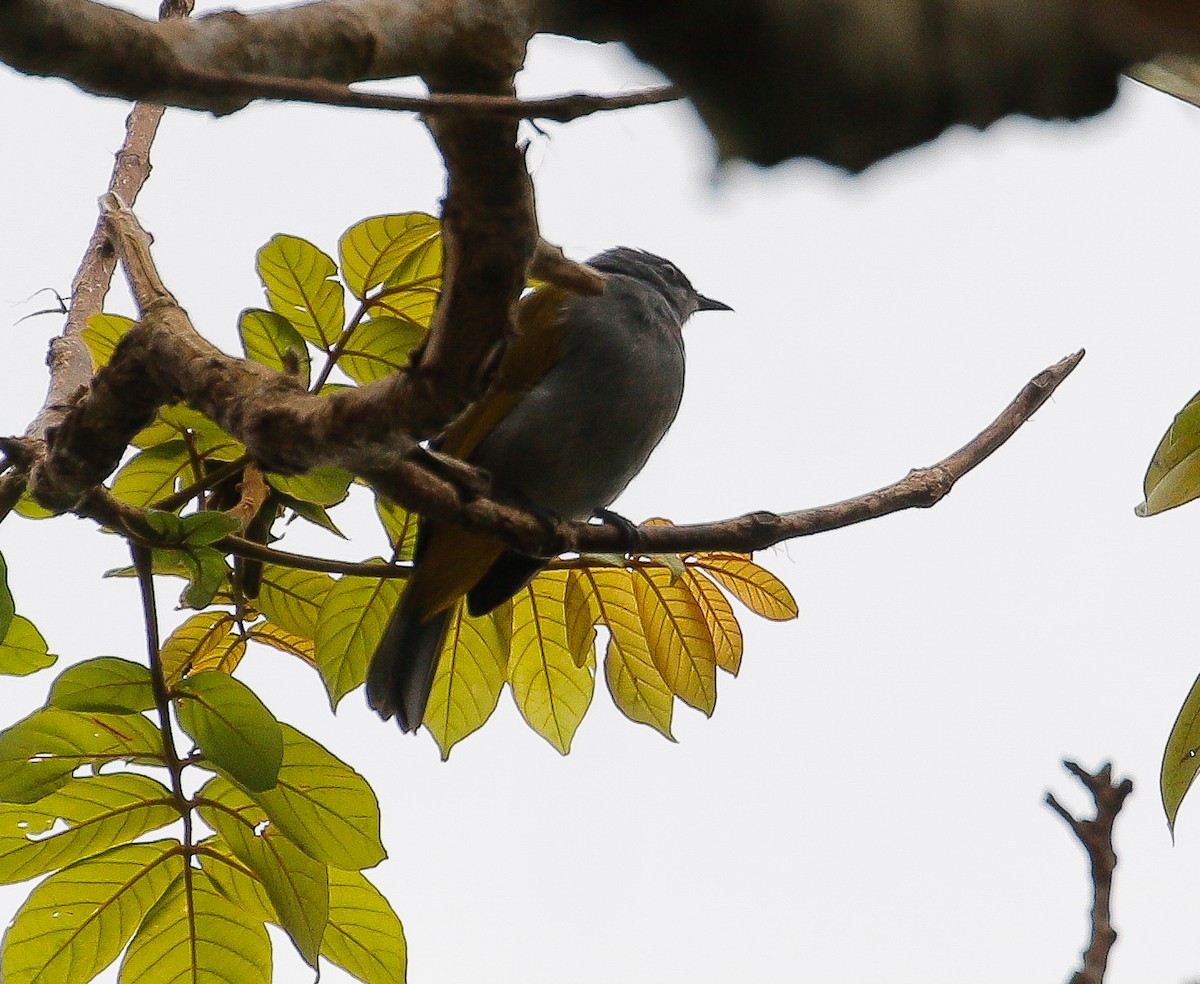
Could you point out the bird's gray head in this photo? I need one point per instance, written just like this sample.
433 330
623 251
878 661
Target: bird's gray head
663 275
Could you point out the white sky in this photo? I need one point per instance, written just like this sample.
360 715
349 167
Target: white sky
866 802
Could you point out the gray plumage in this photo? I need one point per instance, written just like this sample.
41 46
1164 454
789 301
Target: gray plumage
570 446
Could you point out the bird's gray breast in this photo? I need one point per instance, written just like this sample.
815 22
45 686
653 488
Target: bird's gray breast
586 429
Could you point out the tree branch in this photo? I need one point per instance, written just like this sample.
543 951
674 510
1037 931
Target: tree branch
1096 836
110 52
365 430
846 81
69 360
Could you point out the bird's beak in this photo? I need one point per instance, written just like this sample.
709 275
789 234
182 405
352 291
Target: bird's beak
708 304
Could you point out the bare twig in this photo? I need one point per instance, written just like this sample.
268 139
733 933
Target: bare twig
244 88
69 360
1096 836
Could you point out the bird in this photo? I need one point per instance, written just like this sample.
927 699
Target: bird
584 391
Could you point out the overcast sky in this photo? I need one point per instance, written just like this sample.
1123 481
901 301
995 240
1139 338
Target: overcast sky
865 804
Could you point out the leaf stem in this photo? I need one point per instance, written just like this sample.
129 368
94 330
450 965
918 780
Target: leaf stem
142 561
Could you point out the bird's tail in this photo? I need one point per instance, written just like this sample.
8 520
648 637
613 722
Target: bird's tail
404 664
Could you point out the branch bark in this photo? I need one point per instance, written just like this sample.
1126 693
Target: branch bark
1096 836
846 81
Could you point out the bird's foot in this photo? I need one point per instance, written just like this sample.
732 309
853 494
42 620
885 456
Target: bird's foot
629 529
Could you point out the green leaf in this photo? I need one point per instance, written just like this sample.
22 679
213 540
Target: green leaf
102 334
1181 757
76 922
201 529
310 512
153 474
300 284
363 937
167 525
29 509
373 249
195 935
297 885
292 598
39 753
401 527
8 608
270 339
233 727
323 805
118 686
23 650
178 421
99 812
1173 477
167 563
234 880
379 347
353 617
326 486
208 571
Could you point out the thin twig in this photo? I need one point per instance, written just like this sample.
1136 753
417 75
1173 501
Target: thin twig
69 360
1096 836
561 109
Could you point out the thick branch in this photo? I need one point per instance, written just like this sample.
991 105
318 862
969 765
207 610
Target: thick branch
111 52
1096 836
847 81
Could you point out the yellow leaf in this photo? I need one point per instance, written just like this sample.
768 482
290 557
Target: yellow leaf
300 284
637 687
101 335
719 617
551 692
375 250
581 621
755 587
412 305
470 676
351 622
680 643
270 634
205 641
379 347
